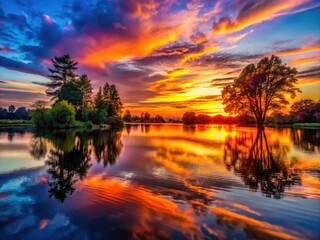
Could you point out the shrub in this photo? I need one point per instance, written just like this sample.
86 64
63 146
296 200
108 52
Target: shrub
115 122
88 124
99 116
41 117
63 113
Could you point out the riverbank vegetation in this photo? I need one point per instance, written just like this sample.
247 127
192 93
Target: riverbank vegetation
73 102
8 122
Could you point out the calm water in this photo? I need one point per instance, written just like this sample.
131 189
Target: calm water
160 182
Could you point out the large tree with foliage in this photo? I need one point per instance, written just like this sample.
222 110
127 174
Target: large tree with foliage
101 109
86 89
112 99
71 93
260 89
63 71
189 118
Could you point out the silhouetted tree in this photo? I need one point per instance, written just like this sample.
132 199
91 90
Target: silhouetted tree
158 119
260 88
127 116
189 118
147 117
306 110
11 109
21 113
3 113
62 72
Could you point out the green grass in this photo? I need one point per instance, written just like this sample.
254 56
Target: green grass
307 125
7 122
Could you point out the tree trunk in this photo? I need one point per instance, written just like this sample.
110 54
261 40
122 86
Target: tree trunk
260 123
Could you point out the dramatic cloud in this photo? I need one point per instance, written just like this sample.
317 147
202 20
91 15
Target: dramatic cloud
300 50
254 12
20 66
164 56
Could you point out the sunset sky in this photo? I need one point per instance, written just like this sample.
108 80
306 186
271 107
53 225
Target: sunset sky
166 57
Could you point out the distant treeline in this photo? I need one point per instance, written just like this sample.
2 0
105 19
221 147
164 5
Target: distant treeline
192 118
12 113
144 118
303 111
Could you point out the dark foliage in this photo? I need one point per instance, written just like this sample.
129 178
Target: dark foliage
192 118
21 113
261 89
62 72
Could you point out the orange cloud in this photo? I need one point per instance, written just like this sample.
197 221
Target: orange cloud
148 35
143 9
303 49
178 72
236 38
301 61
257 13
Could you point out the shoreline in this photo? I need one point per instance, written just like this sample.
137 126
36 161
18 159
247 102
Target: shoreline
23 123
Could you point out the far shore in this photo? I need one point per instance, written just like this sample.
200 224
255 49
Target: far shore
28 123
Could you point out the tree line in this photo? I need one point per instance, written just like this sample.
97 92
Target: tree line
144 118
74 100
14 113
303 111
193 118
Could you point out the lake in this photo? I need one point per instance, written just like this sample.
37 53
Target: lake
160 182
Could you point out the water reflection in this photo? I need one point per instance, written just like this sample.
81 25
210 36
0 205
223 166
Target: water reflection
176 182
306 139
38 147
107 146
260 164
70 158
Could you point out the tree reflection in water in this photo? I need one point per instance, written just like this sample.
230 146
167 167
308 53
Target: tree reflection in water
306 139
70 158
107 146
260 164
38 147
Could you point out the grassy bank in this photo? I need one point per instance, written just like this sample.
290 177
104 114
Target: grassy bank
77 124
6 122
306 125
